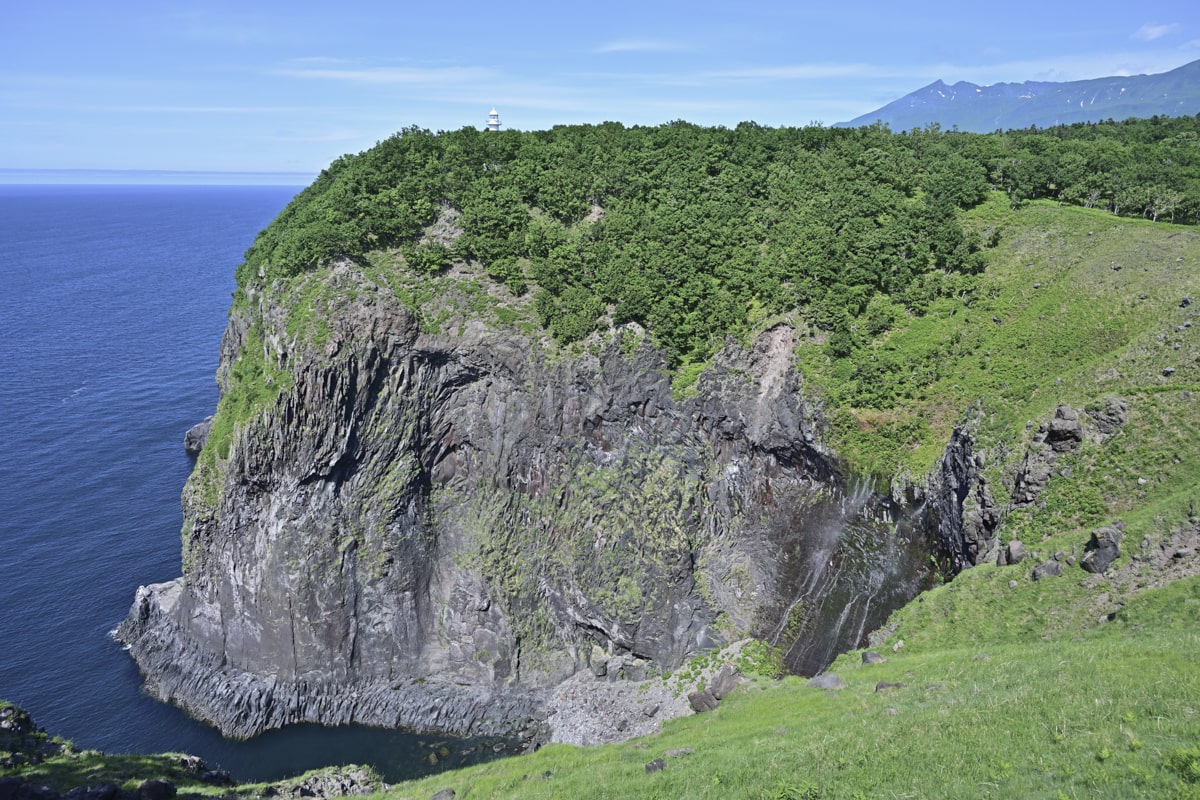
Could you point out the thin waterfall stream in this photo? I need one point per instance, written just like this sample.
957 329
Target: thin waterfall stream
848 559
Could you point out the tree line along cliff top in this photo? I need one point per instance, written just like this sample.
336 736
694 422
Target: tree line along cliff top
695 232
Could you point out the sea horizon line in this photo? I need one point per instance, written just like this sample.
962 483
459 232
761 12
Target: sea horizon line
151 177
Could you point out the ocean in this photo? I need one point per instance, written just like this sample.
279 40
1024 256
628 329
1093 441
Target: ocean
112 304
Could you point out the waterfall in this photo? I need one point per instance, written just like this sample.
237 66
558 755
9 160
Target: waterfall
848 560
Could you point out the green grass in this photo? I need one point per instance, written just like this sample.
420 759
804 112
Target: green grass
992 706
1049 321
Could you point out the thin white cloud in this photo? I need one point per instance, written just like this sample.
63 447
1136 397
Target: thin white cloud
1153 30
393 75
642 46
318 60
790 72
335 135
151 109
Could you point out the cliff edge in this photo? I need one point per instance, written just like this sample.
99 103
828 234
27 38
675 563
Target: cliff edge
400 527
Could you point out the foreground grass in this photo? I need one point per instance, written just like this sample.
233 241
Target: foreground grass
1113 711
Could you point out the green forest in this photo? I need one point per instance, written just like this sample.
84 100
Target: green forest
696 233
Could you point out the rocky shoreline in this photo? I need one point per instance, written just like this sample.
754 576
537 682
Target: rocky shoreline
241 704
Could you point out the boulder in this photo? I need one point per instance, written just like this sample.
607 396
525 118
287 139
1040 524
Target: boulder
154 789
828 680
1102 549
703 700
1065 432
871 657
1051 569
724 683
1014 553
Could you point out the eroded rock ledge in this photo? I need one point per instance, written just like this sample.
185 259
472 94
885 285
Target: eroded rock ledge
242 704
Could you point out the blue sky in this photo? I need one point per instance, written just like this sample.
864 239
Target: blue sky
288 87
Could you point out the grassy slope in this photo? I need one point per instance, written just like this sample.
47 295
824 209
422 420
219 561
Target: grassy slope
984 713
1085 331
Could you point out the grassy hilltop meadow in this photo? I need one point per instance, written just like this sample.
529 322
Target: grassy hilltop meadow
936 281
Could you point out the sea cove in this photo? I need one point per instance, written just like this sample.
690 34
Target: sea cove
113 305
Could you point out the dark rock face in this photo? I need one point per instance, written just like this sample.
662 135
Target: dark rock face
430 530
960 503
154 789
1102 549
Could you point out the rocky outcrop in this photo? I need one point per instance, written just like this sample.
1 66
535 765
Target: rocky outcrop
242 703
197 435
1103 548
960 503
425 529
1062 435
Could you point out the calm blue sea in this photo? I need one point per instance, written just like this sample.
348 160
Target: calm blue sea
112 303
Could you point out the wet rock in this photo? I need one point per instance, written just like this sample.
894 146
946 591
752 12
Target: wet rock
217 777
961 502
9 788
1102 549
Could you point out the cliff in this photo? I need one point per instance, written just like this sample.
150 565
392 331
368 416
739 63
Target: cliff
403 527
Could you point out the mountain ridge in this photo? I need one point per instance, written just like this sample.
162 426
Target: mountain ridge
983 109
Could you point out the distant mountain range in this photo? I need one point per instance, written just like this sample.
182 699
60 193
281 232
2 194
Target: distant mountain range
984 109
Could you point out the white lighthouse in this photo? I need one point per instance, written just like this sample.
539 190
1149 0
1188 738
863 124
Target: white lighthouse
493 123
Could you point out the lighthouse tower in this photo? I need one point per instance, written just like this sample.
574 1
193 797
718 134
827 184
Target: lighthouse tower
493 123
